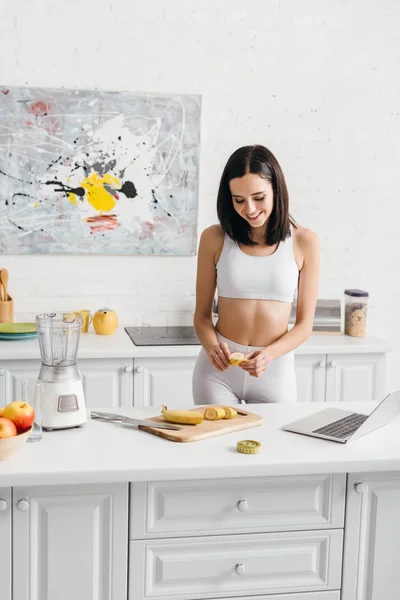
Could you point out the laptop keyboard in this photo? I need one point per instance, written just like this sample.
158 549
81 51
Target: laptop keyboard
343 427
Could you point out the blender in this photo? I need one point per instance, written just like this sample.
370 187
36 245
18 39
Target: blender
63 402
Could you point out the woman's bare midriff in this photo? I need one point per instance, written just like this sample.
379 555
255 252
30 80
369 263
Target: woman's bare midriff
252 322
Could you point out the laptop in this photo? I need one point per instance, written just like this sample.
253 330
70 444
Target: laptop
344 426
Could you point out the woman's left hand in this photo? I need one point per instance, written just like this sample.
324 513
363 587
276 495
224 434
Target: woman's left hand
255 363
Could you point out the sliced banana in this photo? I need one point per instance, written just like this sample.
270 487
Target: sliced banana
213 413
236 358
230 412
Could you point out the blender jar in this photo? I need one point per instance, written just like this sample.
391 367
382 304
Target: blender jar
355 312
58 335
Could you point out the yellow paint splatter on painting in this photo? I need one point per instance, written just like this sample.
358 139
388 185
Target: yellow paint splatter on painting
97 195
72 199
36 205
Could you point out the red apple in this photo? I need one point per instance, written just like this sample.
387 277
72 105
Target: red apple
20 413
7 428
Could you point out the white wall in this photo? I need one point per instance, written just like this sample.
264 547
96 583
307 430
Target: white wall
316 81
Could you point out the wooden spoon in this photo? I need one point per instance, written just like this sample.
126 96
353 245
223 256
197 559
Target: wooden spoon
4 281
1 286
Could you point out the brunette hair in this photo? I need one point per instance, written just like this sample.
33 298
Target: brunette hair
260 161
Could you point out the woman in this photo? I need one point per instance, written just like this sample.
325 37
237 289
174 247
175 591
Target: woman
257 258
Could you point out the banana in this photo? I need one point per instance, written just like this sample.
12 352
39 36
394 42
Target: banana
230 412
184 417
236 358
214 413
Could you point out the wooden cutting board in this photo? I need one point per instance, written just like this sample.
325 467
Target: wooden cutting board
206 429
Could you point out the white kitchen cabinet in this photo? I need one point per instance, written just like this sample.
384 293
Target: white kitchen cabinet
340 377
372 539
3 395
213 507
351 377
70 542
106 382
199 568
310 372
5 544
163 381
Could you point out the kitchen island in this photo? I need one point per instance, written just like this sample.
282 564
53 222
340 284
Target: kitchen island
109 512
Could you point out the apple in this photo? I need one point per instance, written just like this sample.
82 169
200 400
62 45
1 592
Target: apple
7 428
20 413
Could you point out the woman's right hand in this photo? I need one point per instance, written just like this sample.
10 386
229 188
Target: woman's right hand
219 356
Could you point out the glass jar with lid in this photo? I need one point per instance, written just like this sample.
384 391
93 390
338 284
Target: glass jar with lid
355 312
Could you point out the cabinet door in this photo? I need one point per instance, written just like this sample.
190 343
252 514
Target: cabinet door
372 540
353 377
310 372
163 381
3 395
107 382
15 372
70 543
5 543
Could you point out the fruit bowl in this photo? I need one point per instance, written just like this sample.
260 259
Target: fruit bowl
10 445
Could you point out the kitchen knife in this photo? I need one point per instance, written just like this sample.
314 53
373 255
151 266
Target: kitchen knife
130 421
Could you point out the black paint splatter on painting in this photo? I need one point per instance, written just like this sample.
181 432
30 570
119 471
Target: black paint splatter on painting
54 162
79 191
128 188
16 178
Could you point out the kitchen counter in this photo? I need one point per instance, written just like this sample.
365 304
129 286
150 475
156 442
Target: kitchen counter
119 345
108 452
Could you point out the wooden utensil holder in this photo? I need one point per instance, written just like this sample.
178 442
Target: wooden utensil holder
7 310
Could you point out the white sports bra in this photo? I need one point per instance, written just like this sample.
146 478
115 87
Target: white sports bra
273 277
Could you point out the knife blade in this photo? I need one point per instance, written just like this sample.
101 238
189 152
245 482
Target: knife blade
131 421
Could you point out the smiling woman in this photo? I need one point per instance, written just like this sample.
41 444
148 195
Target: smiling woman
257 258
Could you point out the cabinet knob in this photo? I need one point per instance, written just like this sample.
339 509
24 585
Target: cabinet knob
240 569
128 369
360 488
242 505
3 504
139 369
322 364
23 505
332 363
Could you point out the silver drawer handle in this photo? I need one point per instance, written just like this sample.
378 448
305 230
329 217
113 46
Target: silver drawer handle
23 505
139 369
3 504
322 364
240 569
242 505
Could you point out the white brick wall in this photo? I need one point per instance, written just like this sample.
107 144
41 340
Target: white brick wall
317 81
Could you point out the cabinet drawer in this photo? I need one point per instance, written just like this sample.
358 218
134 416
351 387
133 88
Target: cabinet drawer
217 567
333 595
190 508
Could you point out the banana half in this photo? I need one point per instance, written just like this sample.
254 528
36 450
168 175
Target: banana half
236 359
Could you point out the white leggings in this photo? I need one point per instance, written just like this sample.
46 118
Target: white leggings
233 386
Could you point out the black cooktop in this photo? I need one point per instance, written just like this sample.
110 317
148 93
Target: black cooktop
163 336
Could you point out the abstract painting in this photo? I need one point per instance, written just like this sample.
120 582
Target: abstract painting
98 172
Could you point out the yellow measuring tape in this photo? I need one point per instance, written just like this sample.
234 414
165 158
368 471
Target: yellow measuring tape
248 447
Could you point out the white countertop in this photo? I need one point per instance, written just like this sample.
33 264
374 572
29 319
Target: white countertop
119 345
109 452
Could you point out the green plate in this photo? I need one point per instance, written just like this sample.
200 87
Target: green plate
17 328
15 337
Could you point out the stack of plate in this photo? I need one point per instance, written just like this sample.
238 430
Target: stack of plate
17 331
